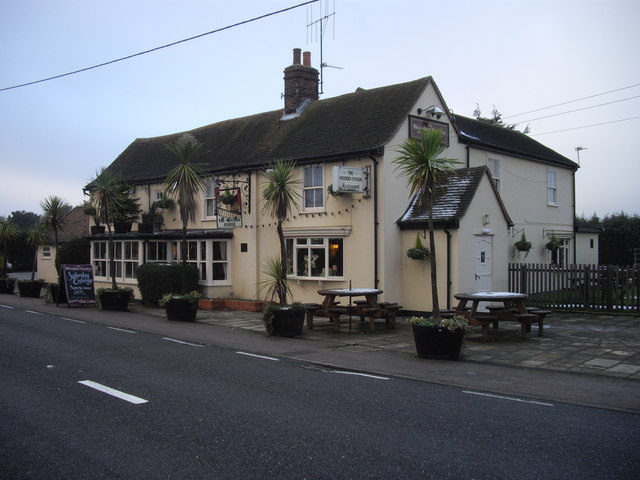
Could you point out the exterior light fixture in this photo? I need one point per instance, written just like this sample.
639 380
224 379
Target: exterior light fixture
433 111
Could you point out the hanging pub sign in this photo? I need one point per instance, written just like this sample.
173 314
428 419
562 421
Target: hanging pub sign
78 284
229 210
418 123
348 179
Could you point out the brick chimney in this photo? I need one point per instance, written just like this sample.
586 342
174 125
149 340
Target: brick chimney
300 82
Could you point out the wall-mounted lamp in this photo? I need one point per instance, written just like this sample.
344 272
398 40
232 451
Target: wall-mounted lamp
433 111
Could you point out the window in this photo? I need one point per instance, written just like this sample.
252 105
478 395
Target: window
591 243
210 198
313 190
494 168
552 188
157 251
126 256
212 259
46 252
159 195
560 256
316 257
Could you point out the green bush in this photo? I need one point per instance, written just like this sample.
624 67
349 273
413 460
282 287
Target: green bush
158 279
74 252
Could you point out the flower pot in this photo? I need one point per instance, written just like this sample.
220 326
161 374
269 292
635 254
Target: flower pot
97 229
7 285
145 228
288 323
114 300
440 343
181 310
30 289
122 227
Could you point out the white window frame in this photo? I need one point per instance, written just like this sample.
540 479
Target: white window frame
210 199
560 257
205 260
313 187
298 245
125 263
46 251
552 188
494 167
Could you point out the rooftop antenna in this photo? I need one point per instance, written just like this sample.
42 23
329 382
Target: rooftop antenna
317 28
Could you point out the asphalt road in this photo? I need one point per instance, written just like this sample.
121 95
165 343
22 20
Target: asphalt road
187 411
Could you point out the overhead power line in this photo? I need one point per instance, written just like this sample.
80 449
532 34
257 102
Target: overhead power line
572 101
158 48
578 109
585 126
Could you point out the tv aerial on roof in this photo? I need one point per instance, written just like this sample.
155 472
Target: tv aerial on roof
316 28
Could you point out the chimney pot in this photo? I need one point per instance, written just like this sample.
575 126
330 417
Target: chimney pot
296 56
306 59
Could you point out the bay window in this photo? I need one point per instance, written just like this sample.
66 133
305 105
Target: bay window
316 257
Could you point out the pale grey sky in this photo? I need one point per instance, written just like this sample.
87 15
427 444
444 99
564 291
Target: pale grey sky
517 55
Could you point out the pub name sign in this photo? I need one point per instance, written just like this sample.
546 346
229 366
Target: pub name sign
348 179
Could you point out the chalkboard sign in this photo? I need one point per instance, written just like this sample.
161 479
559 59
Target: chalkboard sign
78 283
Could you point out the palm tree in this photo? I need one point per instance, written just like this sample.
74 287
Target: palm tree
106 197
280 195
36 236
420 162
54 212
8 231
185 182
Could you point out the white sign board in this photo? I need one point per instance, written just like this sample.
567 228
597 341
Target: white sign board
348 180
229 222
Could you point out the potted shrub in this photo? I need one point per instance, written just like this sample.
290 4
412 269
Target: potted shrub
36 236
523 245
280 194
181 307
107 197
186 183
229 197
418 251
440 339
7 284
152 220
421 162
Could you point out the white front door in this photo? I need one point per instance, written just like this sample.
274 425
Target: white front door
484 246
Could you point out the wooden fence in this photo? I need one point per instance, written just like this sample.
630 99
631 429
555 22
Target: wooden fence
600 288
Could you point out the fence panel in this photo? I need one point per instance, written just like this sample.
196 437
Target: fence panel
600 288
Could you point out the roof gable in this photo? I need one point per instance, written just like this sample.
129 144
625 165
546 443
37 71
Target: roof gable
453 194
486 135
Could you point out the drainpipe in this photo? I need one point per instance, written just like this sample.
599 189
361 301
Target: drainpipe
448 233
375 221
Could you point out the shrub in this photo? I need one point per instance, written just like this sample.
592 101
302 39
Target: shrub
158 279
74 252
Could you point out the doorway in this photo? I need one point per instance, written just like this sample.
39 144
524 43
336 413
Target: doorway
484 267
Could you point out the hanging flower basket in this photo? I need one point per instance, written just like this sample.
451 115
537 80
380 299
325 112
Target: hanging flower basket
523 245
418 251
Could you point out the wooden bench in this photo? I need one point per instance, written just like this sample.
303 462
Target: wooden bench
526 319
484 320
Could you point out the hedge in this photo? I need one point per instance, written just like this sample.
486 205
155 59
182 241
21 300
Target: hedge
158 279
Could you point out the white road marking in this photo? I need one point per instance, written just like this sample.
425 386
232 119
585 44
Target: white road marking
513 399
360 374
35 313
121 330
182 342
71 320
258 356
116 393
8 306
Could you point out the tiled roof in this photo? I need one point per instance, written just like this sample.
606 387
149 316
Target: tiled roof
355 123
453 195
502 139
76 225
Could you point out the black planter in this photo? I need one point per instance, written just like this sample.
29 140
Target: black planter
7 285
115 301
441 343
96 229
122 227
288 323
145 228
30 289
181 310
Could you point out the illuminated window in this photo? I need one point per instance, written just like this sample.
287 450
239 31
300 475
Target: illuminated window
316 257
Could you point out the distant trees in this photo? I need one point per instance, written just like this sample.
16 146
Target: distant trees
620 236
495 119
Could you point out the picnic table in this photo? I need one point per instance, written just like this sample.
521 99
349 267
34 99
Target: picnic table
369 307
511 308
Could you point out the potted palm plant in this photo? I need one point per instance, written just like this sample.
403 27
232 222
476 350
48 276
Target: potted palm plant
420 162
36 236
280 195
184 183
107 197
8 231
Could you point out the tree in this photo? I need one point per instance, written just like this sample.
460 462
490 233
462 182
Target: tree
185 183
24 220
54 210
106 197
419 160
8 231
620 237
37 235
280 195
495 119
